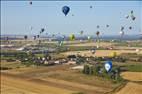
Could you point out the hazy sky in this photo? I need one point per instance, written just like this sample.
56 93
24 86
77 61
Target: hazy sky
17 17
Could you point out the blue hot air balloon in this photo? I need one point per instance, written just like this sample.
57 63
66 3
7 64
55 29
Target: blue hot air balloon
65 10
108 66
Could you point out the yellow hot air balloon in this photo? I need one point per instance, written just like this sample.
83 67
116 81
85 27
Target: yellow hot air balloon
72 37
113 54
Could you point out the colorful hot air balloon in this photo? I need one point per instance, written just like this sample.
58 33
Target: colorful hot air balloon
65 10
72 37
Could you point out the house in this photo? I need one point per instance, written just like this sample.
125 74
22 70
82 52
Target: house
72 57
71 62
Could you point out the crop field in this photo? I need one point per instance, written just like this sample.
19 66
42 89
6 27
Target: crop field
18 78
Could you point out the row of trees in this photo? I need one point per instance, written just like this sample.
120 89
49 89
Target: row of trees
99 70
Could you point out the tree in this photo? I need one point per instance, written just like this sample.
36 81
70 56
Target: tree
86 69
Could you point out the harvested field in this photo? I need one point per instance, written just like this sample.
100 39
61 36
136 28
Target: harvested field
99 53
131 88
60 77
132 76
91 44
15 85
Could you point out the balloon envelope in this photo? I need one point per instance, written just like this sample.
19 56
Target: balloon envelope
107 25
81 32
90 6
65 10
121 32
98 26
122 28
108 66
72 37
130 27
97 33
31 3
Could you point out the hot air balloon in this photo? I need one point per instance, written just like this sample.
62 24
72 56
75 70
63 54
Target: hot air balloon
81 32
132 12
130 27
98 26
72 37
97 33
65 10
42 30
37 36
107 25
34 37
108 66
133 17
121 34
122 28
127 16
25 37
91 7
89 38
30 2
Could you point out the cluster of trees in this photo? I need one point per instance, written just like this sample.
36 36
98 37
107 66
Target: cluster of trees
116 59
99 70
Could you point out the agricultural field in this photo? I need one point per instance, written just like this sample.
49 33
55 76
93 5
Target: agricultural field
62 79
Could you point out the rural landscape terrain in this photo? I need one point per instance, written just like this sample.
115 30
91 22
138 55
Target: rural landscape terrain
20 76
71 47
